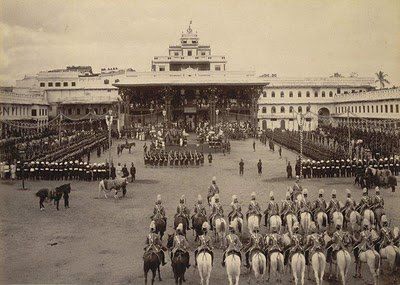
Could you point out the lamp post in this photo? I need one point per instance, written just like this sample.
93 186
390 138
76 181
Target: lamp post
109 120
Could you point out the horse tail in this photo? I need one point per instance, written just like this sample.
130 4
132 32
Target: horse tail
377 264
279 265
260 265
222 227
324 220
397 259
321 262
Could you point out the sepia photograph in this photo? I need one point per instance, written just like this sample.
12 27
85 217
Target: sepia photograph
200 142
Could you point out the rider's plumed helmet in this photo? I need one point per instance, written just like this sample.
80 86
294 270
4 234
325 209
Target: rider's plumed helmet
321 192
205 226
152 226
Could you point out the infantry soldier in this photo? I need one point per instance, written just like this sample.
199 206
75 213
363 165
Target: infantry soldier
342 168
255 243
236 209
153 243
348 168
180 243
212 190
254 207
216 210
233 243
272 208
205 244
183 211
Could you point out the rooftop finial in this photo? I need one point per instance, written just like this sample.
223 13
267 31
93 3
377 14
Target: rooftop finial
189 30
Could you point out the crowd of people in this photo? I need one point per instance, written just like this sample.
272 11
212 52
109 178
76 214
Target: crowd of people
172 158
337 231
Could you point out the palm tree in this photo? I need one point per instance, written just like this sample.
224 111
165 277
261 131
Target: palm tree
381 78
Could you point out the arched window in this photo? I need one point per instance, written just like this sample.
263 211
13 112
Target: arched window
330 94
299 94
282 94
308 109
273 94
308 94
264 124
273 110
264 110
290 94
315 93
291 109
323 93
282 109
264 94
300 110
106 81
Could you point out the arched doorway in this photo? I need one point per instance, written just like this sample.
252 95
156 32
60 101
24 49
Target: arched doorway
324 117
282 124
264 124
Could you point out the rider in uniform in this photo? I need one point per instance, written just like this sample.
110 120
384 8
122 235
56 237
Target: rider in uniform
349 206
233 244
272 208
254 207
275 243
296 243
364 242
315 243
320 204
365 202
236 209
183 210
212 190
287 207
304 205
386 235
153 243
337 242
333 205
199 209
255 243
159 209
180 243
216 210
205 244
377 202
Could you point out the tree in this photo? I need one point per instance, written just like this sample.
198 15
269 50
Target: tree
381 78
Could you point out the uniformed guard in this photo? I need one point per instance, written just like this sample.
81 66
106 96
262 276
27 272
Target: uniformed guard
236 209
348 168
153 243
319 204
180 243
386 235
333 205
255 243
199 209
342 168
183 211
304 205
159 209
205 244
233 244
272 208
217 210
273 242
314 243
254 207
365 202
377 204
365 241
287 207
337 243
296 243
212 190
349 206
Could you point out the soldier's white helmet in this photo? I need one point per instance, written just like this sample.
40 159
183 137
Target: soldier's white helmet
377 190
152 225
216 196
158 198
296 225
383 220
348 192
339 222
333 192
305 191
182 198
234 197
214 178
287 194
253 194
365 223
321 191
199 198
180 227
271 194
365 190
205 226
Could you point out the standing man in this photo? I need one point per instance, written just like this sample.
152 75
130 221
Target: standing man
280 152
113 173
289 170
254 145
241 167
259 167
210 158
133 172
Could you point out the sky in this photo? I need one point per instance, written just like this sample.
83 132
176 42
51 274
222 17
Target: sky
286 37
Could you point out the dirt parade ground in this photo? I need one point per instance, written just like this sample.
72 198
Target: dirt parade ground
101 241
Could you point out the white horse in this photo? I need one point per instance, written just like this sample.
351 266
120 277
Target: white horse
258 265
343 261
237 223
372 259
305 221
253 221
298 264
355 220
275 221
318 262
220 231
117 185
233 263
337 217
390 253
277 265
322 220
369 216
290 220
204 265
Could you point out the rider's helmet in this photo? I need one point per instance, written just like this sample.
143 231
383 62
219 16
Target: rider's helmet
313 227
231 227
216 197
377 190
158 199
287 195
234 198
338 224
205 227
199 199
348 193
214 180
253 195
333 193
296 226
305 192
152 226
365 224
271 195
182 199
365 191
179 229
256 229
274 229
320 192
384 221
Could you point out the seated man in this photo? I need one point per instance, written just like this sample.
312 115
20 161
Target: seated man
365 202
333 205
320 204
349 206
386 235
205 244
315 243
337 243
183 211
236 209
255 243
254 207
364 242
287 207
272 208
296 243
234 244
199 209
212 190
377 204
159 209
217 211
275 243
180 243
153 243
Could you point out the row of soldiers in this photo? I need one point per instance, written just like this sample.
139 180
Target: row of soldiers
345 168
274 240
68 170
173 158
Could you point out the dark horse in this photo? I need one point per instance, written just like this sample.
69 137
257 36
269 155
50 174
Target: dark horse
54 195
181 220
197 225
151 262
161 225
65 189
179 260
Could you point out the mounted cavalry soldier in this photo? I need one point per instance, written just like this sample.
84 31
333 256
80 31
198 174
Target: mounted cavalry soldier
254 207
272 208
236 209
297 189
180 243
153 244
304 205
205 244
255 243
287 207
275 243
333 205
377 204
350 205
386 235
217 210
199 209
320 204
296 243
233 244
365 241
337 243
212 190
183 211
365 202
159 209
315 243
